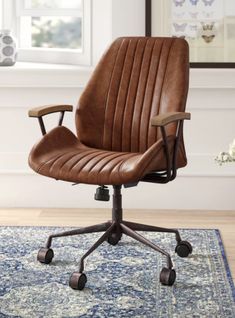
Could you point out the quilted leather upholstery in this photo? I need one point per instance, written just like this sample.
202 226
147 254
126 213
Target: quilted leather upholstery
136 79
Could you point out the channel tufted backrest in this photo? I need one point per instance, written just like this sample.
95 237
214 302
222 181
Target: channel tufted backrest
136 79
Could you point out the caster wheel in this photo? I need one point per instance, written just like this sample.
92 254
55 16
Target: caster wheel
114 238
45 255
77 281
167 276
183 249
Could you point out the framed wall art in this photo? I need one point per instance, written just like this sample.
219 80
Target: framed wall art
207 25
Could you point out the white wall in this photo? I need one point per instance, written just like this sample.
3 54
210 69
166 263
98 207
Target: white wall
111 20
201 185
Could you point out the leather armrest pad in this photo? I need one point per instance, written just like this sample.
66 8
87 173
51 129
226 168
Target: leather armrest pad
48 109
166 118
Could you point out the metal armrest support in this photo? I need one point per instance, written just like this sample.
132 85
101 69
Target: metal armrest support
39 112
161 121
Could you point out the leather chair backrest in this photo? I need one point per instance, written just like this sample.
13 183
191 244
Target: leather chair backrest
136 79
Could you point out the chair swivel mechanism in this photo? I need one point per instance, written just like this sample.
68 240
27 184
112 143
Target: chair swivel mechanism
129 123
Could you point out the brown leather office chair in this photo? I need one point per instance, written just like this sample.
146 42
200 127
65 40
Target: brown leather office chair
129 129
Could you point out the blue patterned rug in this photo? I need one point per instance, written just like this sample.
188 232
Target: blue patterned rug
123 280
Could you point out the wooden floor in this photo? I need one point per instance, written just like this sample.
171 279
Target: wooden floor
224 221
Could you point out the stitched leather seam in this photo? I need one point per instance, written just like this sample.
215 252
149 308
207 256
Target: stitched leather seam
142 105
128 92
154 88
89 158
98 158
85 164
131 124
108 92
49 161
71 155
82 153
119 172
79 159
81 156
104 165
115 106
53 164
163 81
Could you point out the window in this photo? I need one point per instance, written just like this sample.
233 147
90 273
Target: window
51 31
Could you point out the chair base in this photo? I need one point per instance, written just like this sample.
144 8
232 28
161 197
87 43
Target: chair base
113 231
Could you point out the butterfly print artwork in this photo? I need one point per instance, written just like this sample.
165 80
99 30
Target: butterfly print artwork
180 27
207 15
179 15
208 26
208 2
193 15
181 36
179 2
208 38
194 2
193 27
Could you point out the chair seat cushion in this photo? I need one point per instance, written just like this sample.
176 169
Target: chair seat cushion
60 155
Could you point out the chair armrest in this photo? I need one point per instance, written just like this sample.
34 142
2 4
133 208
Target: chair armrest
38 112
161 121
167 118
49 109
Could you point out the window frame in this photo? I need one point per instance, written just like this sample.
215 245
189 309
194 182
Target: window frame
1 15
13 10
